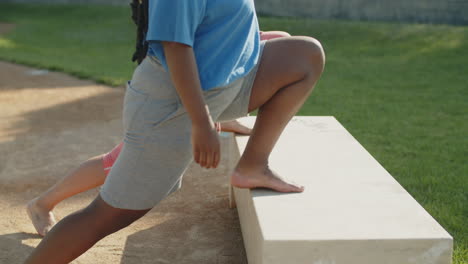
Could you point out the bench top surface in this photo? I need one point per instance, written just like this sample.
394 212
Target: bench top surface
348 194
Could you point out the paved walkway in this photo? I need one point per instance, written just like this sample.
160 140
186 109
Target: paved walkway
49 123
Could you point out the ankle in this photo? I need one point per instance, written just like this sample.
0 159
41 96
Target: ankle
43 204
251 165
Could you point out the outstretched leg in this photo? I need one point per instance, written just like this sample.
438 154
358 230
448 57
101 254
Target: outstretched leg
78 232
288 71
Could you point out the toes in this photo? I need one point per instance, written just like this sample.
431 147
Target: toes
42 233
267 179
295 188
283 186
291 188
51 223
46 230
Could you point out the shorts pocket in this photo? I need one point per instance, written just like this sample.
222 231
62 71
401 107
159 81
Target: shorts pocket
134 101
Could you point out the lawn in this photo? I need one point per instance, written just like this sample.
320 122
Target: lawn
400 89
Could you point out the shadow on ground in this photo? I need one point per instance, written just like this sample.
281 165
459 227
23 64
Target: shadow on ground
13 249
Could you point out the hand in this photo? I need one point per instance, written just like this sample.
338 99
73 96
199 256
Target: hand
206 146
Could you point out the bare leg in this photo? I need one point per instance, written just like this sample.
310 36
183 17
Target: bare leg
88 175
288 71
78 232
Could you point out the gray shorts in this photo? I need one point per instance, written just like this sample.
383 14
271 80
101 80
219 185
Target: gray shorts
157 135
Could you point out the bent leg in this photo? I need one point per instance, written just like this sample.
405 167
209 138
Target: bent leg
78 232
288 71
234 125
88 175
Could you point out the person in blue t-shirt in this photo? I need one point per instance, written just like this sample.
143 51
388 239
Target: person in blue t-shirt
205 64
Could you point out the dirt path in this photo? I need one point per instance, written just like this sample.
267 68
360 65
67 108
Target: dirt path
49 123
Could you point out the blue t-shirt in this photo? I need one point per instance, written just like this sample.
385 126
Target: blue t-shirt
224 35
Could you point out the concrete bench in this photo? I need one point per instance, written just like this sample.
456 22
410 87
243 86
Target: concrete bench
352 211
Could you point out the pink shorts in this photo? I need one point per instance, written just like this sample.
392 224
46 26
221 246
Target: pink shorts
109 158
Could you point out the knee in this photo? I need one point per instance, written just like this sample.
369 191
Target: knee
116 221
314 56
107 220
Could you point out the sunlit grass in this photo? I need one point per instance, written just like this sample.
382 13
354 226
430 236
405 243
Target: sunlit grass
6 43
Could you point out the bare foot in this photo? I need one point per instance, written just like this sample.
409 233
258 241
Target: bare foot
265 178
42 219
236 127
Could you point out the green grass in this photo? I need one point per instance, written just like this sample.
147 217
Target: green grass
400 89
87 41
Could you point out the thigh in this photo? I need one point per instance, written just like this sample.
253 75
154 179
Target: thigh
284 62
150 168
